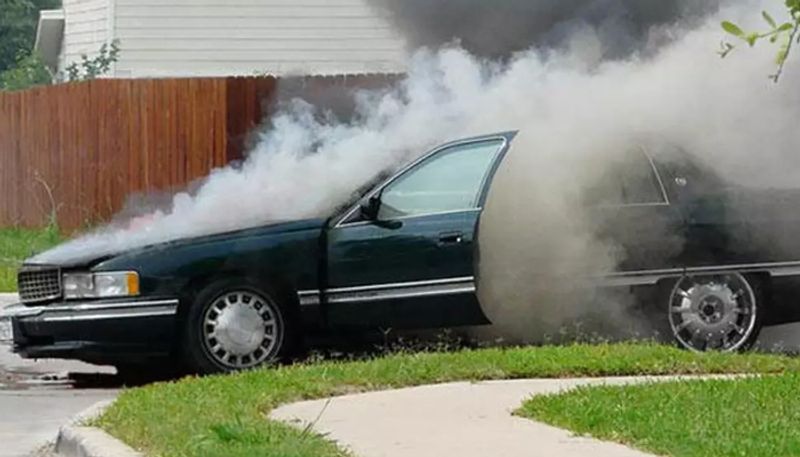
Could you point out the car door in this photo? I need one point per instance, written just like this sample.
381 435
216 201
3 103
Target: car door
637 216
411 263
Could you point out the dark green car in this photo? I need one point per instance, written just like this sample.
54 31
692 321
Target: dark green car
401 256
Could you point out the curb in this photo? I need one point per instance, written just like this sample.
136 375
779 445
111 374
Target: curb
78 440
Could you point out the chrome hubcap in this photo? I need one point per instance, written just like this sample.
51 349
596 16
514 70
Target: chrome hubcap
713 312
242 330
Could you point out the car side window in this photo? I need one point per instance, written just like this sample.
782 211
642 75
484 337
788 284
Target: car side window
629 181
639 180
450 180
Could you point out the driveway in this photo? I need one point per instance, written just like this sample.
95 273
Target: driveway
37 397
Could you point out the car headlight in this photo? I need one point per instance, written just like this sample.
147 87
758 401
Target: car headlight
101 285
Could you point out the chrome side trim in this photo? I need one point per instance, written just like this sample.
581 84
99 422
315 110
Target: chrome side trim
396 285
120 314
97 311
785 271
637 278
109 306
20 310
650 277
416 289
778 269
309 297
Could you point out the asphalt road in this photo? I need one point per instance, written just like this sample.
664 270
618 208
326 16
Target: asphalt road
37 397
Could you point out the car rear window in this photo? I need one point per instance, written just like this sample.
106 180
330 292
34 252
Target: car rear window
629 180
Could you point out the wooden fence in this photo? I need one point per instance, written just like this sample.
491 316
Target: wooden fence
81 149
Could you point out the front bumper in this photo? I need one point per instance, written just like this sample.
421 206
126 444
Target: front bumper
103 332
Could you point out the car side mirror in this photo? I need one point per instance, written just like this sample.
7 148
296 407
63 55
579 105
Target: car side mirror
371 208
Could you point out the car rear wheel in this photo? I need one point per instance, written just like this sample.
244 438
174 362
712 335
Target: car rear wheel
235 326
721 312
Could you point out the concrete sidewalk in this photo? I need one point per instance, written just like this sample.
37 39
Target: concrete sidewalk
459 419
30 419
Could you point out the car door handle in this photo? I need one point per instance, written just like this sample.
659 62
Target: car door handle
451 238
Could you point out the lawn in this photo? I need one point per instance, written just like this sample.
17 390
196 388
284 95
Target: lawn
751 417
18 244
227 415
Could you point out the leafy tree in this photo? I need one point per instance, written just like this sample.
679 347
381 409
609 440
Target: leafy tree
30 71
20 67
14 30
786 35
18 21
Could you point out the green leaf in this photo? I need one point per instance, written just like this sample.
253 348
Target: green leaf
733 29
785 27
769 20
752 39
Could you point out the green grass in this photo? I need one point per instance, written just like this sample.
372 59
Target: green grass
227 415
16 245
750 417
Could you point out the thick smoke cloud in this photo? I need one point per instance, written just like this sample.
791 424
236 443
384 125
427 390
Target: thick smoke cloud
498 28
536 241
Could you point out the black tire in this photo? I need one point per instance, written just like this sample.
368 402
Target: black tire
256 319
723 311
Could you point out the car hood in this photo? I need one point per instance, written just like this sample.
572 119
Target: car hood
75 258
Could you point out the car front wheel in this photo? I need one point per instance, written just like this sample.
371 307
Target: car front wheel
721 312
235 326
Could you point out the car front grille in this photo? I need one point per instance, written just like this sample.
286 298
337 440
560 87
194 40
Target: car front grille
39 284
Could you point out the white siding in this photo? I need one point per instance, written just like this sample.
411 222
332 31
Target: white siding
246 37
86 29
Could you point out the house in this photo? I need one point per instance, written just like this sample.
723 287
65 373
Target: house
197 38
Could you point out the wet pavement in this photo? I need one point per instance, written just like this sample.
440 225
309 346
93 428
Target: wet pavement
39 396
